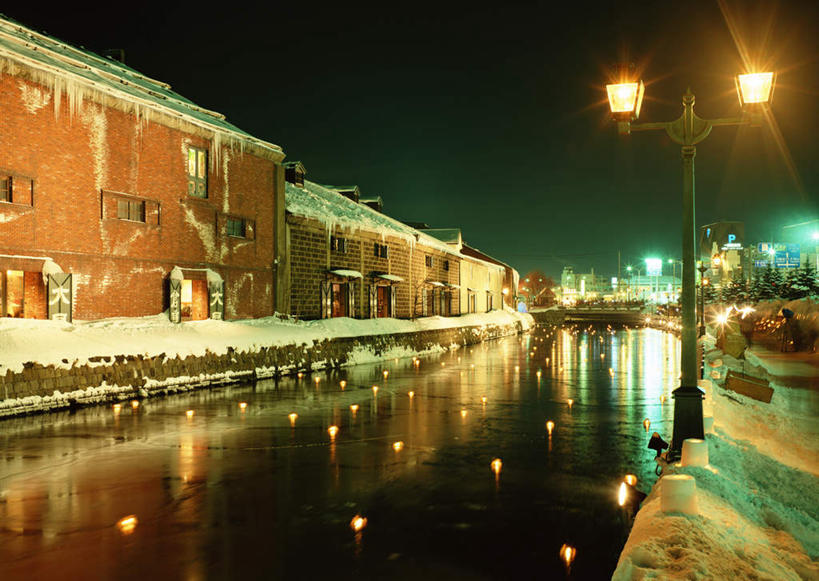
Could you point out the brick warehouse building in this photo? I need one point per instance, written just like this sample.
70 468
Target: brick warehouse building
349 259
119 197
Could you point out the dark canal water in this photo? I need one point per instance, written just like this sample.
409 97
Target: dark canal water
242 494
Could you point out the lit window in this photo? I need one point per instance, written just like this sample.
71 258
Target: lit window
197 172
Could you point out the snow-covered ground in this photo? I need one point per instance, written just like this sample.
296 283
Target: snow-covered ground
62 344
758 497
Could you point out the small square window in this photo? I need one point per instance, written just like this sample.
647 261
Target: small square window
380 250
236 227
133 210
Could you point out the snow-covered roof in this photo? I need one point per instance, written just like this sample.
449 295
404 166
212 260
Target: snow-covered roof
78 73
391 277
448 235
334 210
346 273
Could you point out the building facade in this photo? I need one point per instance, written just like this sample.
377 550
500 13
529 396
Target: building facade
347 259
119 197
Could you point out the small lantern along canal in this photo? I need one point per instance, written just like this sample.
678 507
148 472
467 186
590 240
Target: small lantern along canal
438 470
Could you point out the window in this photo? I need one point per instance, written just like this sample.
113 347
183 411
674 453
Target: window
338 244
380 250
428 261
446 265
197 172
236 227
133 210
5 189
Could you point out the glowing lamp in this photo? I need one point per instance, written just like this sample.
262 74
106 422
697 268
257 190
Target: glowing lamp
332 430
398 446
611 372
243 405
646 424
343 383
622 494
117 408
443 364
539 373
189 414
385 373
127 524
755 88
411 394
358 523
317 379
550 425
463 413
630 479
570 401
134 403
625 100
375 390
496 466
483 400
293 417
354 407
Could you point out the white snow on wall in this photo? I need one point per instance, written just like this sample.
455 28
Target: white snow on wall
93 117
226 177
34 97
8 217
233 293
204 230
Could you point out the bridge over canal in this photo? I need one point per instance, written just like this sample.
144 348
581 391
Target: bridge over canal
614 315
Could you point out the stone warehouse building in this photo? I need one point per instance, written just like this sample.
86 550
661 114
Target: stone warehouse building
119 197
346 258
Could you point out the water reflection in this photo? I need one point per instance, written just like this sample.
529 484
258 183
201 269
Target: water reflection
269 488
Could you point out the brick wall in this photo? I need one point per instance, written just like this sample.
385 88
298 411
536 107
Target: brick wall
77 162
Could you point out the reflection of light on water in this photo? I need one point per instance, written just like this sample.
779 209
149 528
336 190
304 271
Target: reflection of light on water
293 416
411 394
646 423
300 375
621 494
375 390
550 425
358 523
354 408
496 465
189 414
127 524
385 373
567 555
134 404
662 398
570 401
463 413
483 400
398 446
117 408
332 430
343 383
317 379
539 373
243 405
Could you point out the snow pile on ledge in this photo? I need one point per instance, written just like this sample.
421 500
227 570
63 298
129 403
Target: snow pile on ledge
62 344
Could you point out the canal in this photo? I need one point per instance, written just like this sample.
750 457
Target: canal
230 491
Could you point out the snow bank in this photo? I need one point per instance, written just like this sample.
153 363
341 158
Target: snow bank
758 499
62 344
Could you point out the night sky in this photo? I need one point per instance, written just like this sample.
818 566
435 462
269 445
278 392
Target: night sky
494 119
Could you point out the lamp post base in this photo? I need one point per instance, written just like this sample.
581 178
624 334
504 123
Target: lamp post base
687 418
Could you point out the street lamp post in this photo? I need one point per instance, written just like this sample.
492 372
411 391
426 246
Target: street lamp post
688 130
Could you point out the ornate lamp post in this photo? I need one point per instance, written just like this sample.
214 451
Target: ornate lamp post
625 100
702 268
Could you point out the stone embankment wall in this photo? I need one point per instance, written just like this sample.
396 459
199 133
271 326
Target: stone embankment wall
39 388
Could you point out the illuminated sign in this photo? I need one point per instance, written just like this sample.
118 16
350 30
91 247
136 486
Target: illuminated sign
614 282
654 267
732 243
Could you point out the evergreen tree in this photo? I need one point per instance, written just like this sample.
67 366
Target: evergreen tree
755 291
770 284
802 282
735 291
709 294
